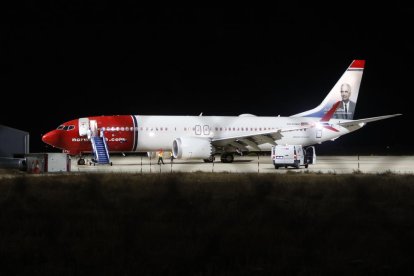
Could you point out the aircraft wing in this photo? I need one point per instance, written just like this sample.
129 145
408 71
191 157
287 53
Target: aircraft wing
366 120
254 140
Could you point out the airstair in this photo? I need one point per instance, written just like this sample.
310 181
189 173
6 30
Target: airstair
100 149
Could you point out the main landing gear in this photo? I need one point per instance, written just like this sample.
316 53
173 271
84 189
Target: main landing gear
224 158
210 159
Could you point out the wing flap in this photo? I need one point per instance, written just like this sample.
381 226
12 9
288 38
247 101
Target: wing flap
254 140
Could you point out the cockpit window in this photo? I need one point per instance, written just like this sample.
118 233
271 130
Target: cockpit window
60 127
69 127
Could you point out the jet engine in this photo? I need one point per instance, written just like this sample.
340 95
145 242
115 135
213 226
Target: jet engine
192 148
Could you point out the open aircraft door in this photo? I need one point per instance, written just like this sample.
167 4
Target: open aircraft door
83 126
93 128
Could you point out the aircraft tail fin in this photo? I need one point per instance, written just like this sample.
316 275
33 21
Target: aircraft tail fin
344 91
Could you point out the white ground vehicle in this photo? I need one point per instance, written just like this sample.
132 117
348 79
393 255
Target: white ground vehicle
292 156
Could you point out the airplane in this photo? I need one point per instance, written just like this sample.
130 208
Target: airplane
203 137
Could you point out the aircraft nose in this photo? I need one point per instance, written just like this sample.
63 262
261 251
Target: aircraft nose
51 138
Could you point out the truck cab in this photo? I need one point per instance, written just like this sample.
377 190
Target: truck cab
292 156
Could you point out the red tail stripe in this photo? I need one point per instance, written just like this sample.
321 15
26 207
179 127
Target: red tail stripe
358 63
331 128
328 115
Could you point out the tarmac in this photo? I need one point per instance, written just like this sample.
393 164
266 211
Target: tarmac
253 164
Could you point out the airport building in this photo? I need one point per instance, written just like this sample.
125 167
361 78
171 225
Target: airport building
13 142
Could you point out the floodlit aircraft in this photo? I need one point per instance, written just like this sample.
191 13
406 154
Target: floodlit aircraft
203 137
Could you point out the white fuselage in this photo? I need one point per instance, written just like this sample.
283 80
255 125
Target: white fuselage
156 132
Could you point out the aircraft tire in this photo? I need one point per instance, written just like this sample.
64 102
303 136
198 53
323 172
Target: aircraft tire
210 159
227 158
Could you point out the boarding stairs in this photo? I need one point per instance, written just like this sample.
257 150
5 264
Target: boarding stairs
100 149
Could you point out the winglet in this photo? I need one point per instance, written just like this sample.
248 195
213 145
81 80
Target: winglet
328 115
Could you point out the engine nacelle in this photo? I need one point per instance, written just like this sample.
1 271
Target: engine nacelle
192 148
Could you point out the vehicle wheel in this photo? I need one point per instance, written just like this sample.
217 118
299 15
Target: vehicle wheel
81 161
276 167
306 166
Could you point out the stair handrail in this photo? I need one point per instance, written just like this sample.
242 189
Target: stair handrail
95 151
105 145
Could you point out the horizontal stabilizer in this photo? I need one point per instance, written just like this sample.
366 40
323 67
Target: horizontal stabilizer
366 120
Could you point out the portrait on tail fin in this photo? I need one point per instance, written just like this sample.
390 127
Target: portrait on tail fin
347 107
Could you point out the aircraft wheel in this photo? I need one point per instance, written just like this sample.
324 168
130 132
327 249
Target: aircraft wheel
227 158
210 159
230 158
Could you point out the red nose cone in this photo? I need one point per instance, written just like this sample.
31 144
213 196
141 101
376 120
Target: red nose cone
51 138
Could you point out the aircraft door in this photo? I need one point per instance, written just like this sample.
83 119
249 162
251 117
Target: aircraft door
206 130
198 130
83 126
319 133
94 128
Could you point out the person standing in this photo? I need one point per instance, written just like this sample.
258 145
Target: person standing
160 159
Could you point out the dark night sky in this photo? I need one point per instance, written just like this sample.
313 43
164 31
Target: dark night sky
58 60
